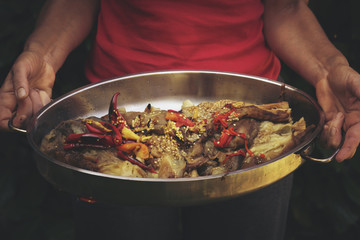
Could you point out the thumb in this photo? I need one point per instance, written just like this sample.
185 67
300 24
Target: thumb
331 134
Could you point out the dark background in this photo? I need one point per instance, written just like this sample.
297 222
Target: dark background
325 201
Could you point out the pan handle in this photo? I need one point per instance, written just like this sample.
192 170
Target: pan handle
305 153
12 127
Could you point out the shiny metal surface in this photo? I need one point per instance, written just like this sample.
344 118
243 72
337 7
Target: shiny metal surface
167 90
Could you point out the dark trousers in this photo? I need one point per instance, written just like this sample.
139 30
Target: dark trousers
258 215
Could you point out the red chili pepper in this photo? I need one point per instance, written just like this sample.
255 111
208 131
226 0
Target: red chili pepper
234 133
247 149
116 135
220 119
83 137
226 137
179 118
96 126
91 139
135 161
242 135
93 129
114 115
71 146
240 152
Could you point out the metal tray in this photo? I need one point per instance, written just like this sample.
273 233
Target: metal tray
167 90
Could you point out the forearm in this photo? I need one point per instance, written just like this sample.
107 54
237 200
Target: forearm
295 35
61 27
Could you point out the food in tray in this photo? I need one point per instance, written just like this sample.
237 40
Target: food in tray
207 139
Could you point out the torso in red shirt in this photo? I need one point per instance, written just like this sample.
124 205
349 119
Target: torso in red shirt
147 35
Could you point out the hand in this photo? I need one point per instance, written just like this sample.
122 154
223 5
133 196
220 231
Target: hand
26 89
339 96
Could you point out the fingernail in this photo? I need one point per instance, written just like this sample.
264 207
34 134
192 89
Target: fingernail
21 93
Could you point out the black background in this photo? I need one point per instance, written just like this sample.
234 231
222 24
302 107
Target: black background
325 201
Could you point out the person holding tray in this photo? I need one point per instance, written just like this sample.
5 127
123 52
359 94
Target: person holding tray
244 36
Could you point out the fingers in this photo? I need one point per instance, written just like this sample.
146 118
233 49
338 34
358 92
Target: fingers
29 106
20 88
352 140
340 92
354 86
331 134
23 112
7 103
20 81
14 91
5 115
39 99
44 97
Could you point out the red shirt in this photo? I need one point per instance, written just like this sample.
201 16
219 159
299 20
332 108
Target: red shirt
147 35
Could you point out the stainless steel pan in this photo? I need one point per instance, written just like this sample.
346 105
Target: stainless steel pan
168 90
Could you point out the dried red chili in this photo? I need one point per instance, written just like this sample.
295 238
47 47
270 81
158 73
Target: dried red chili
179 118
240 152
220 120
226 137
